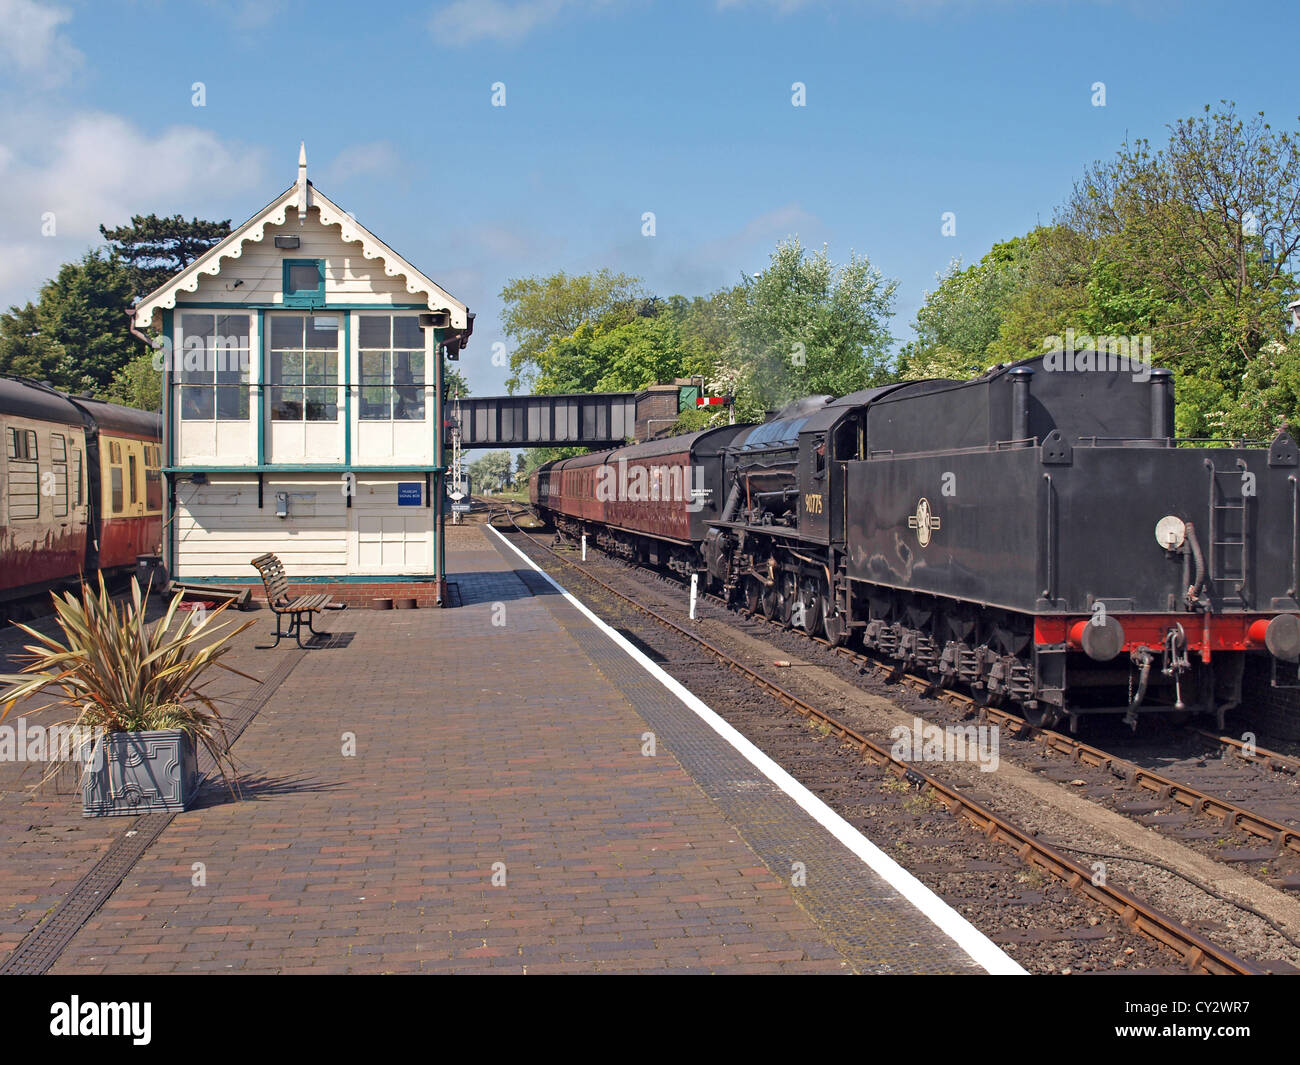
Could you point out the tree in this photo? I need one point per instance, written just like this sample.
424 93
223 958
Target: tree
804 326
152 249
654 341
540 310
1193 244
77 334
453 381
137 384
492 470
999 309
25 349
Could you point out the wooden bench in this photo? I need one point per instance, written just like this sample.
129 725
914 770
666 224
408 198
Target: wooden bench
299 611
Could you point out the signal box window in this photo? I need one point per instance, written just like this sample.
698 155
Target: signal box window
214 367
304 368
392 367
304 282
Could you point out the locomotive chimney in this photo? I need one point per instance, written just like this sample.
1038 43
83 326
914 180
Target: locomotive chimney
1162 386
1020 378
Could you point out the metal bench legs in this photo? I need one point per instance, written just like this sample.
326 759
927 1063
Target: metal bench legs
295 627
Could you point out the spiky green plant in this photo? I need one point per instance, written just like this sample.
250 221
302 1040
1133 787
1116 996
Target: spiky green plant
119 673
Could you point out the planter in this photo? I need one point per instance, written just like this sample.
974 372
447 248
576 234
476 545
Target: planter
140 772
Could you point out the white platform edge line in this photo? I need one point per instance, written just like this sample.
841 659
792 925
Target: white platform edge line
975 943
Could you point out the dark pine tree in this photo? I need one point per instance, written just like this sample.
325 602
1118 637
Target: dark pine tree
152 249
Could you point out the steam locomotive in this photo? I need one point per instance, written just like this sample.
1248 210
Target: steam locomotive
1037 534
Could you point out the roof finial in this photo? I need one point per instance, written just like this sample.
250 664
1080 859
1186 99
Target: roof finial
302 182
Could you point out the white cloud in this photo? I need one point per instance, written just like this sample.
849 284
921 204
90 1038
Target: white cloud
99 168
506 21
361 160
31 44
248 14
722 260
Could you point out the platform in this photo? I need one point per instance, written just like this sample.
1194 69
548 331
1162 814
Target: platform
498 814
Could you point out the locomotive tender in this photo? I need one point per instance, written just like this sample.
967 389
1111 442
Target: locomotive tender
1036 534
80 487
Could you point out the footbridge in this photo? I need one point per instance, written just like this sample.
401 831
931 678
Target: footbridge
595 419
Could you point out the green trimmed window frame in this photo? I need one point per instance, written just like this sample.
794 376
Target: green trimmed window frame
297 296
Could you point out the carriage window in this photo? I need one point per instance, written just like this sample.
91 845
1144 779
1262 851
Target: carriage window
76 476
130 466
392 367
23 475
304 368
115 477
22 444
59 454
214 367
152 477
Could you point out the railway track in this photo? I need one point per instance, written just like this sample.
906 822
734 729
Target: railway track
1195 951
1223 812
1229 814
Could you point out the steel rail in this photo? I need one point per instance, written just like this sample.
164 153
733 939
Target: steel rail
1196 951
1279 763
1229 814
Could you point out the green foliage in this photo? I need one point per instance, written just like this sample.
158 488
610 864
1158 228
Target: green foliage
538 311
491 470
152 249
77 334
118 673
1189 245
25 349
804 326
651 341
137 384
82 331
964 314
539 456
453 381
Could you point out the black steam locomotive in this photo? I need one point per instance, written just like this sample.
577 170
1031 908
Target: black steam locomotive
1036 534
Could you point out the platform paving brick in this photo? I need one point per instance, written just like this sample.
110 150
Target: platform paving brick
46 846
475 744
498 732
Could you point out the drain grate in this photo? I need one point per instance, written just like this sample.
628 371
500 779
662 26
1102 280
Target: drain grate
41 949
38 952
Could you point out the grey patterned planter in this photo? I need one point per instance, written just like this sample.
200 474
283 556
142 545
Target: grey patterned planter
140 772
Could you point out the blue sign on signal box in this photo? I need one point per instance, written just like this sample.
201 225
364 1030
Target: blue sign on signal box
410 494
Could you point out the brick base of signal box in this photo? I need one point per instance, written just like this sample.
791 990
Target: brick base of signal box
362 596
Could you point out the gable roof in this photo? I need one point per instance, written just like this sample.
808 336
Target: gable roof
300 195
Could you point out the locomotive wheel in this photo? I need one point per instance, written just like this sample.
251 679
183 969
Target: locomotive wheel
753 595
812 608
837 629
771 601
789 594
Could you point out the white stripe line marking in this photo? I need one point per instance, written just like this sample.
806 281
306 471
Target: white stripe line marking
974 942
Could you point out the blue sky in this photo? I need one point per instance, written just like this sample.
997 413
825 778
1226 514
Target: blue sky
613 108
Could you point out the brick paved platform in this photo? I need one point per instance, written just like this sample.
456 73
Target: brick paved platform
497 814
